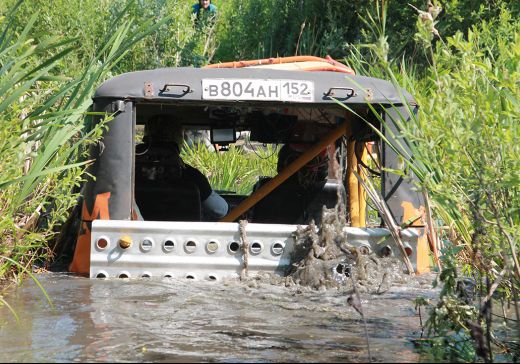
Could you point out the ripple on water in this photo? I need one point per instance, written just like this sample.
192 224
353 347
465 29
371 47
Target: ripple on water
169 320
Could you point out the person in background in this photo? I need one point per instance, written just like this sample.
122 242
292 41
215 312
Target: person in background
163 138
204 9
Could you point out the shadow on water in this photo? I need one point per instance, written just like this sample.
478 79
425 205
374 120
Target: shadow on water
193 321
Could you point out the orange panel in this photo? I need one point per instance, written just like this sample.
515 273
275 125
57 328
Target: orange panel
81 261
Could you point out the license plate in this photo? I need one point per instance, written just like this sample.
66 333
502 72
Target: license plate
254 89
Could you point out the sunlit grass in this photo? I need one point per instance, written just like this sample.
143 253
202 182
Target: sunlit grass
463 147
43 134
234 170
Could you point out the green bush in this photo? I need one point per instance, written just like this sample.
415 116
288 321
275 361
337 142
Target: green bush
42 132
465 142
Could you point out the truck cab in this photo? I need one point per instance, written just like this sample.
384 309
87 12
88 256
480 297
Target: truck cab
324 122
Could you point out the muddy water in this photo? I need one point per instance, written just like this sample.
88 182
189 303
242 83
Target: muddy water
186 321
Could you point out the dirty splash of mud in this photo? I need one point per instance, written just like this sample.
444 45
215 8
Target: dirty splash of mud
324 259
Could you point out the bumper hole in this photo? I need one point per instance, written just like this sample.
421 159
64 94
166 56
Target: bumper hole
234 246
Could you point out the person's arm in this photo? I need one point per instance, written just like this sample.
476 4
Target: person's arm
214 207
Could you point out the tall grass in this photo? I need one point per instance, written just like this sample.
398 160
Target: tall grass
465 144
235 170
470 123
244 29
42 133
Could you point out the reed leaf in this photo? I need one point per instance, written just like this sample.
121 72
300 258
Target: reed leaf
30 274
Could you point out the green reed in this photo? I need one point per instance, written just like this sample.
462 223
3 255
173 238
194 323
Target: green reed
43 136
235 170
464 150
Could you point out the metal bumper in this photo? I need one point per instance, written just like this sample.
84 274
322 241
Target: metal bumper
212 251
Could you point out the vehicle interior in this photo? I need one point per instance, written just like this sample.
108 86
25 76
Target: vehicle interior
296 198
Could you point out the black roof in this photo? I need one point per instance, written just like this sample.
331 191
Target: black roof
147 85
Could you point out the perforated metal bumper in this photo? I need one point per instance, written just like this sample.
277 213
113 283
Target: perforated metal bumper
210 251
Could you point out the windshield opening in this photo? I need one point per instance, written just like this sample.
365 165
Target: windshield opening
186 156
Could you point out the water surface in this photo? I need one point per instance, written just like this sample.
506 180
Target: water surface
193 321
